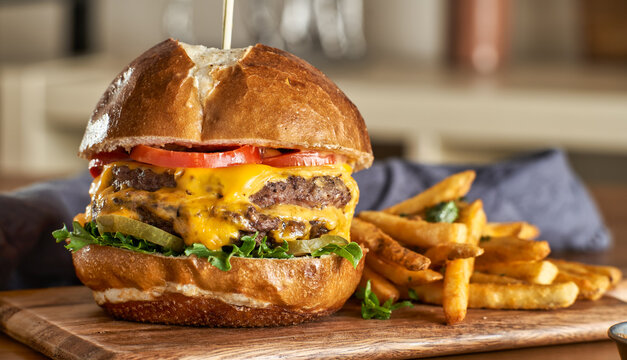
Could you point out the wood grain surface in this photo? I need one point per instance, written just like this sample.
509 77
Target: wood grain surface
65 323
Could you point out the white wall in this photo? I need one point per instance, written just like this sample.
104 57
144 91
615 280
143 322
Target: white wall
33 30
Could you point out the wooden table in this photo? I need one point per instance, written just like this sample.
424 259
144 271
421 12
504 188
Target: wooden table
611 200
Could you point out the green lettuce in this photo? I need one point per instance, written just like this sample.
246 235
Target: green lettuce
81 236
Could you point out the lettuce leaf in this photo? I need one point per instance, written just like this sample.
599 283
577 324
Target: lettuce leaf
351 252
81 236
217 258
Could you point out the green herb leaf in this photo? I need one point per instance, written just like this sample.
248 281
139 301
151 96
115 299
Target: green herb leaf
401 304
371 308
485 238
351 252
266 251
413 295
222 258
248 245
217 258
443 212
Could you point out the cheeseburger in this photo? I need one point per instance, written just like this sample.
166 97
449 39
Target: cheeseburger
222 191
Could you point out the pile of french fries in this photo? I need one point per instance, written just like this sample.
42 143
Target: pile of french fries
469 262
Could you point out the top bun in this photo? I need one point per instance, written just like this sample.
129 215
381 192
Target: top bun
188 95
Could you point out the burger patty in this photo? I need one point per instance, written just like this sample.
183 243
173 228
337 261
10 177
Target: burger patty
251 221
319 191
141 179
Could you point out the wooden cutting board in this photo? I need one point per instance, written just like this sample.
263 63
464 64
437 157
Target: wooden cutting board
65 323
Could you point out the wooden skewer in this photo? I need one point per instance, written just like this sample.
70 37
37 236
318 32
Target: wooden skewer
227 23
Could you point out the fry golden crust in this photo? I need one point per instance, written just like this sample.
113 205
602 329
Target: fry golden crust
418 233
255 292
384 246
507 296
510 249
451 188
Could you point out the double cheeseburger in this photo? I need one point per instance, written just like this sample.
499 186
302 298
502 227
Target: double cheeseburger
222 191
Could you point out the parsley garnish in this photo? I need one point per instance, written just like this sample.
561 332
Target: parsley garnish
372 308
443 212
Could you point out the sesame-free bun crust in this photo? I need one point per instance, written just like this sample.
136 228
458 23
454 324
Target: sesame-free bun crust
190 291
176 93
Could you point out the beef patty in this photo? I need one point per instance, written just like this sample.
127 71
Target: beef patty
141 179
317 192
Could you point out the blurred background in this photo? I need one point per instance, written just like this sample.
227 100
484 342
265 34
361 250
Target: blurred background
457 81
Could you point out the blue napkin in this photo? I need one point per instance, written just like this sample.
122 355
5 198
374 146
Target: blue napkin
539 188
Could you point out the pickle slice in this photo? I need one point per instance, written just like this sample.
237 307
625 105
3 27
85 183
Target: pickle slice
117 223
302 247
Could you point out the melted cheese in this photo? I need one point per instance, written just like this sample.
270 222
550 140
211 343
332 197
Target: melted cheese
206 203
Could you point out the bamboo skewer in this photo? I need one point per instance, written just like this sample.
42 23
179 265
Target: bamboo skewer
227 23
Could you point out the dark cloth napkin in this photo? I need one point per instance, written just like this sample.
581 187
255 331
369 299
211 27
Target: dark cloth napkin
539 188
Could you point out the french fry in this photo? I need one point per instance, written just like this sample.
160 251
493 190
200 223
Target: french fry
441 253
522 296
380 286
520 229
474 218
508 296
451 188
414 232
613 273
534 272
455 290
510 249
430 293
483 278
386 247
591 285
398 274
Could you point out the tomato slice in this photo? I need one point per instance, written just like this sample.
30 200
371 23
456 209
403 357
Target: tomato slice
302 158
166 158
101 159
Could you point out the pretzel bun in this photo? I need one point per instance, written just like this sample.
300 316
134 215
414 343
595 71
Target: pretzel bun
190 291
187 95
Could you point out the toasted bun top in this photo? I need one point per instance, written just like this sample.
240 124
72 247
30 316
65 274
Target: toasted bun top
176 93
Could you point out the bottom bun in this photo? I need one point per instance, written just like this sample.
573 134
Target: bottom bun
190 291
